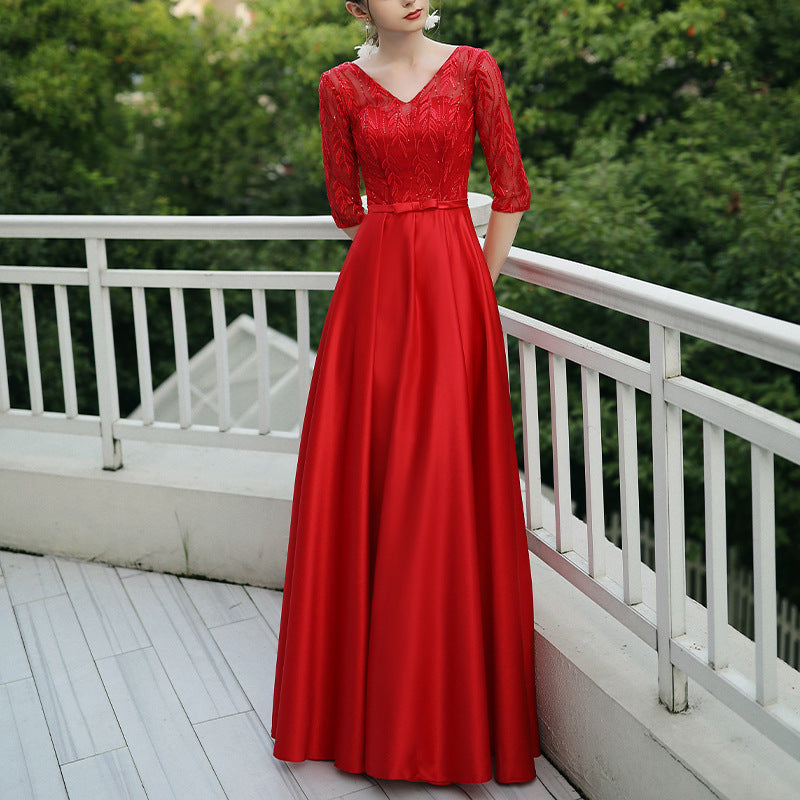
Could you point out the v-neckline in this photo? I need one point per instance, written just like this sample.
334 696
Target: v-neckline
424 87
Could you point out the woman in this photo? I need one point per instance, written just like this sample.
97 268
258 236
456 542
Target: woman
406 639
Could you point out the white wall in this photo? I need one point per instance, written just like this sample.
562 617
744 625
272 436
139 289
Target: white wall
187 510
602 725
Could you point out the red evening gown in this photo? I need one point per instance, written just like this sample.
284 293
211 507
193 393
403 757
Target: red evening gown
406 636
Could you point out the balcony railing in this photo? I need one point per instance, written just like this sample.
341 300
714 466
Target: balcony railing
668 314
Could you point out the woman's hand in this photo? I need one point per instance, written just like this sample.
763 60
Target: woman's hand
352 231
499 238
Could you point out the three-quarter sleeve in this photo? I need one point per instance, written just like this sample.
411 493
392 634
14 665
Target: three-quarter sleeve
498 138
339 157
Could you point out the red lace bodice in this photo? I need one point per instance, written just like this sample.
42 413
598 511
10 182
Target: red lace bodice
422 148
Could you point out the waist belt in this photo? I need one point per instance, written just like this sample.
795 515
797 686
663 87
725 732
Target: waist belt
416 205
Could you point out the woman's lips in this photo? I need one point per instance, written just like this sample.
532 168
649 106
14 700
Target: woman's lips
413 14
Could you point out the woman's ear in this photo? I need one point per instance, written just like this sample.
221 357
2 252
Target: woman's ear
357 10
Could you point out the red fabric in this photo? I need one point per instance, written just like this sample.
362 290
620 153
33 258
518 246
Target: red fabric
416 205
421 149
406 638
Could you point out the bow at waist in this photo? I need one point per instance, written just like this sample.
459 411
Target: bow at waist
415 205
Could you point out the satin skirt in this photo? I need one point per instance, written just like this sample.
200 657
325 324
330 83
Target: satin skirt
406 636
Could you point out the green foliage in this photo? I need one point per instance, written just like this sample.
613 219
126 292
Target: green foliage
62 66
588 67
661 141
232 123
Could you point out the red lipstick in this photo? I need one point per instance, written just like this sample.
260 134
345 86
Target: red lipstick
413 14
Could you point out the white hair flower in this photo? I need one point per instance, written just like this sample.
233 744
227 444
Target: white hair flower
432 21
366 50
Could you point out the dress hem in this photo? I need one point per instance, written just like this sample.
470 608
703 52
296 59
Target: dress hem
388 777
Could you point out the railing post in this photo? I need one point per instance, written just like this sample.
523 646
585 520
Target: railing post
303 346
665 363
716 544
262 356
5 398
65 350
629 494
593 472
562 482
221 352
143 354
31 348
530 434
181 339
764 588
104 358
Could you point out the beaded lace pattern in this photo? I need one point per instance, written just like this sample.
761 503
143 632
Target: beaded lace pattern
420 148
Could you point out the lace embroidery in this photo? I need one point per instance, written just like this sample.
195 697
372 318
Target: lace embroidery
420 149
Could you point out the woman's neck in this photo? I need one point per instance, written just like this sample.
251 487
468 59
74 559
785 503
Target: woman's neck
404 48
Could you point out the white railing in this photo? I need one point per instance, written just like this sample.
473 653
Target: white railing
99 280
668 313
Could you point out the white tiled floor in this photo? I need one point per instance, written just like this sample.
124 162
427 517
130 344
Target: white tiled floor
118 684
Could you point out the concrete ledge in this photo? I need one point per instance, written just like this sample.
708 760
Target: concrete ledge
601 722
187 510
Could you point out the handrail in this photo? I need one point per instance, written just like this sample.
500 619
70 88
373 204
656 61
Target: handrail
669 313
747 331
218 228
222 228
